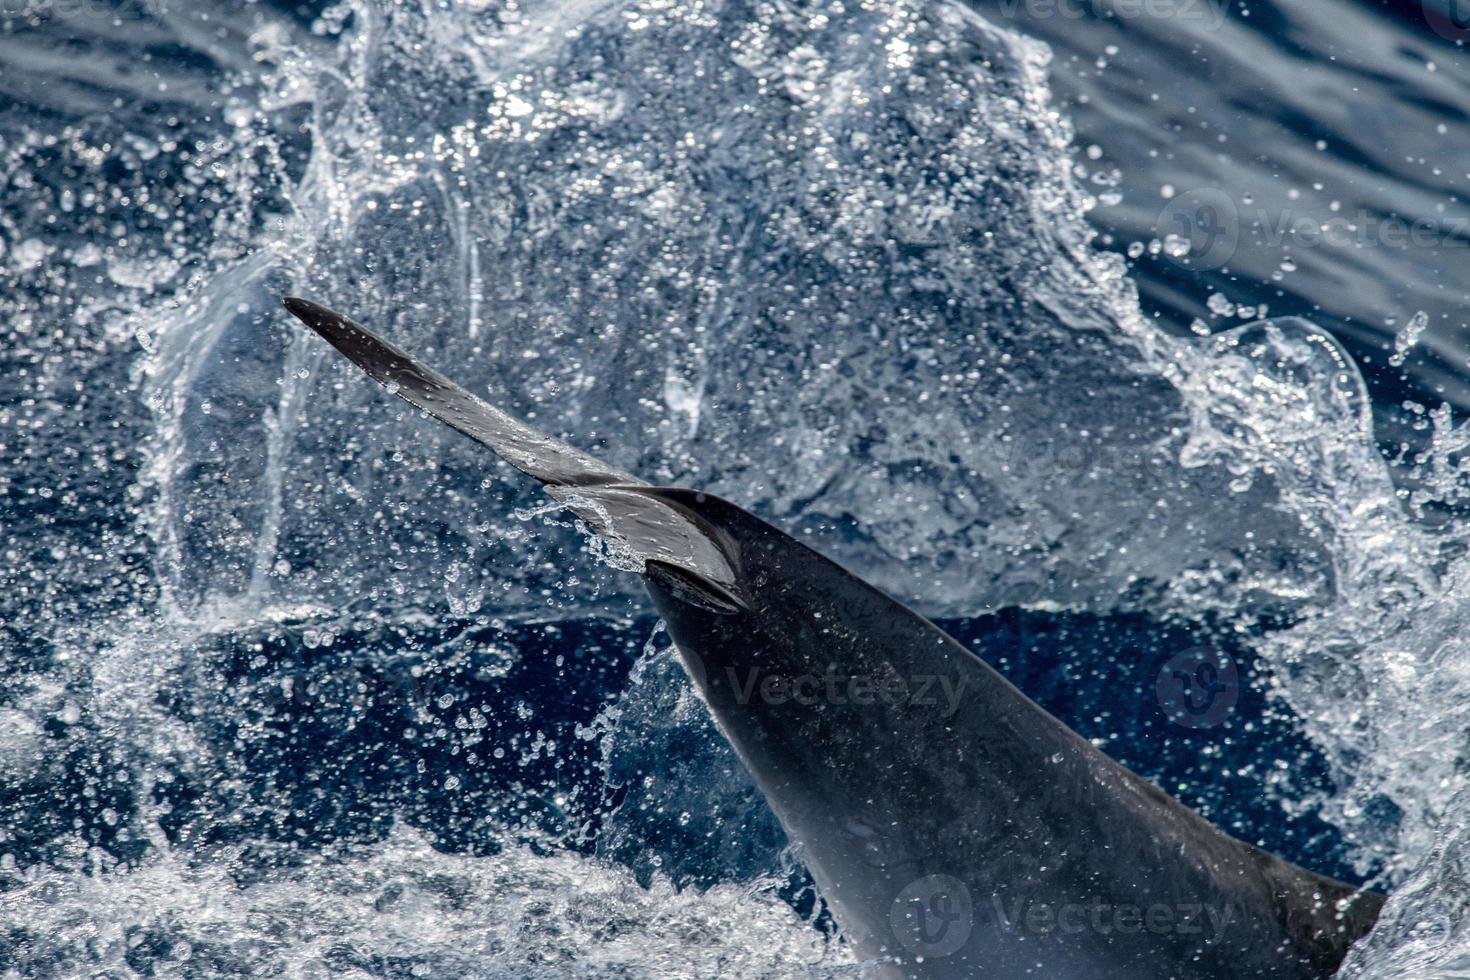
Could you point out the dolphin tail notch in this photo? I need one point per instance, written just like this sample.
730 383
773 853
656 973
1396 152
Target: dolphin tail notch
669 541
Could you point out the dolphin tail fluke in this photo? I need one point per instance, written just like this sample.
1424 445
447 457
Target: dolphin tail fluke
549 460
661 537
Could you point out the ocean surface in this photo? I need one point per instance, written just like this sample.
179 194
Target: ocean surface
1105 332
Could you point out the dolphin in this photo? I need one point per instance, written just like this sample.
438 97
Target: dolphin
954 827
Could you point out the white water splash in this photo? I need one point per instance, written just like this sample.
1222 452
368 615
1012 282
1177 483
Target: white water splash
865 268
400 908
867 346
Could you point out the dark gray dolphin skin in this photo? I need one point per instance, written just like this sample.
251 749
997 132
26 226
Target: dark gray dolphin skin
955 828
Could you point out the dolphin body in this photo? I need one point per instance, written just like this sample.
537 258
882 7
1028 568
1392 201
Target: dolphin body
954 827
